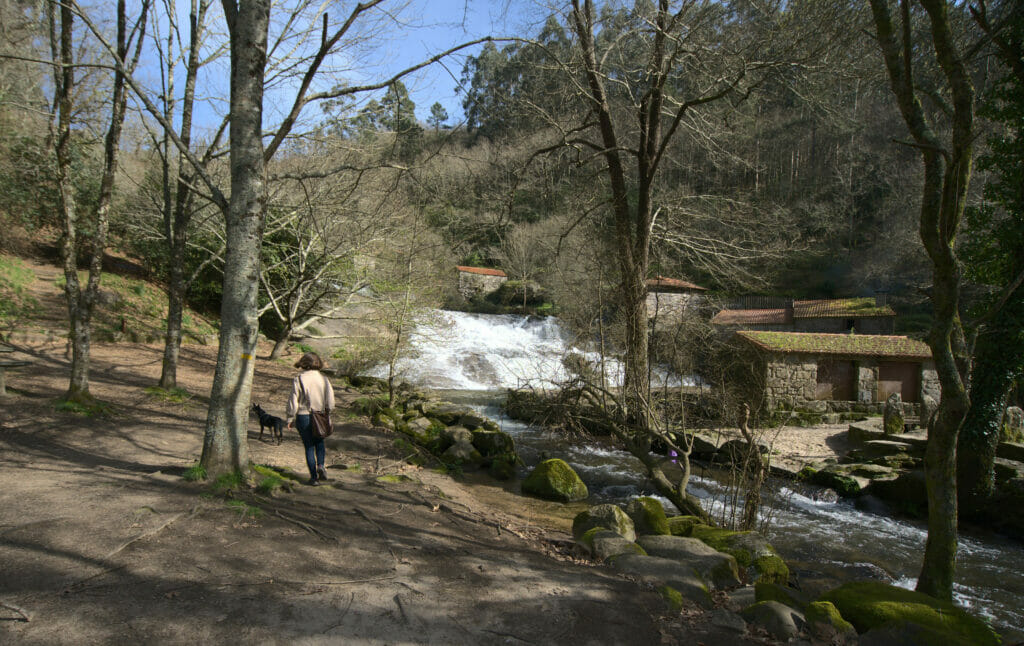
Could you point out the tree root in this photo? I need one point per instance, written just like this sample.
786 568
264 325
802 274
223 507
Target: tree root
306 526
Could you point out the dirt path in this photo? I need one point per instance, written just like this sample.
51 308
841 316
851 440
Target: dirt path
101 541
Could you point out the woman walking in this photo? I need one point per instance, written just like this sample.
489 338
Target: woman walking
311 391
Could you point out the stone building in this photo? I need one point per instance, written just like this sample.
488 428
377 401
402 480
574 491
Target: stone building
670 298
478 281
854 315
837 372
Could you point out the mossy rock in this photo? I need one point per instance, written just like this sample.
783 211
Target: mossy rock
765 591
382 420
825 623
648 516
844 485
870 604
603 544
673 598
493 443
555 480
610 517
750 550
364 382
683 525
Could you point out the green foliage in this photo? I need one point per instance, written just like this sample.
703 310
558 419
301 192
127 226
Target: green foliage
85 407
16 304
228 482
194 473
173 396
244 509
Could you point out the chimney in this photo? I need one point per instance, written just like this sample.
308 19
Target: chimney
789 310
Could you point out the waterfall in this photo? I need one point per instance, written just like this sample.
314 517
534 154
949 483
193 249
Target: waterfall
461 351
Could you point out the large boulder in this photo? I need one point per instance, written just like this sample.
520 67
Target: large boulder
781 621
825 623
1013 425
764 591
609 517
493 443
602 544
447 412
750 550
907 493
555 480
716 568
659 571
683 525
648 516
871 605
892 415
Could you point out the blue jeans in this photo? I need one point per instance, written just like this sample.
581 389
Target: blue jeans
315 450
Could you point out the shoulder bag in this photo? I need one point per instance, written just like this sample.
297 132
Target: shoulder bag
320 421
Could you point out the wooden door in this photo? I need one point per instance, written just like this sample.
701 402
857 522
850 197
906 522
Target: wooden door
899 377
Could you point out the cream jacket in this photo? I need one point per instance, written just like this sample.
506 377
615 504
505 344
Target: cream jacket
314 384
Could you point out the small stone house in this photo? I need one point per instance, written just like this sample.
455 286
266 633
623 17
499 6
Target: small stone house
837 372
854 315
478 281
669 298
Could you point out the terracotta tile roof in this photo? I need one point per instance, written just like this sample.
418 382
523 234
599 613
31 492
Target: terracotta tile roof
850 345
750 317
481 270
840 308
662 284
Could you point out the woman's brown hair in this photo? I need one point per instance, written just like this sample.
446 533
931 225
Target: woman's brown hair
310 361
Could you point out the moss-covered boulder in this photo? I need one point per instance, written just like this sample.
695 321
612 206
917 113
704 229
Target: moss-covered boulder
602 544
750 550
493 443
843 484
870 605
555 480
609 517
658 572
648 516
825 623
892 416
683 525
765 591
673 598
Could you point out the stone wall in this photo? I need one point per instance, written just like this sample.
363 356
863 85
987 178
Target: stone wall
671 306
471 285
791 380
836 325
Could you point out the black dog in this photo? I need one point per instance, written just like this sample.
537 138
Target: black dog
276 424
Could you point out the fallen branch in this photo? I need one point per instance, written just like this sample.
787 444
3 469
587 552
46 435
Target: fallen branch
143 535
24 615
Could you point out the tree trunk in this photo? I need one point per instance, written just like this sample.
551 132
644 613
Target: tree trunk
176 229
947 177
172 335
281 342
998 363
225 445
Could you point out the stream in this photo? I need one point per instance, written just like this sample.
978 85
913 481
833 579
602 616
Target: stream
476 357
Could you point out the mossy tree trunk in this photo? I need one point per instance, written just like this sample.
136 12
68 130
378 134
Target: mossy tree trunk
947 174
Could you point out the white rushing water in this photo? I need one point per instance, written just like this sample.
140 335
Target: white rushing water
460 351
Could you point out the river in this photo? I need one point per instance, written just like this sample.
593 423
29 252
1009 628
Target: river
477 357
